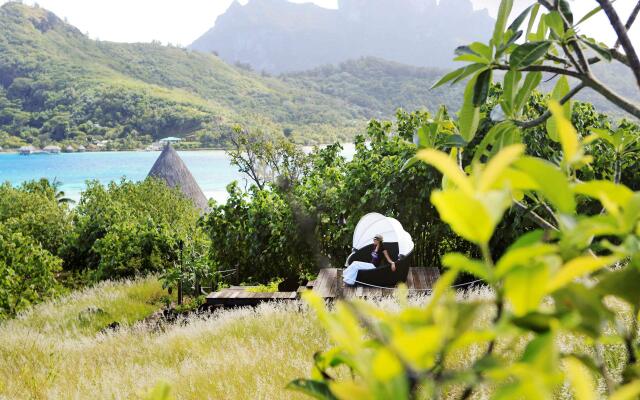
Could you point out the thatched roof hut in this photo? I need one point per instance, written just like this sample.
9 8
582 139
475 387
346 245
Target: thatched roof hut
170 168
69 149
81 149
27 149
52 149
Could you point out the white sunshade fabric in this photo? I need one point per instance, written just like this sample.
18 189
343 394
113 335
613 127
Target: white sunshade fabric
390 229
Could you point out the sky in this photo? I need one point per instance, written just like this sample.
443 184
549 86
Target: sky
181 22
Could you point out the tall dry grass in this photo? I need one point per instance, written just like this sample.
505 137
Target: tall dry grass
51 353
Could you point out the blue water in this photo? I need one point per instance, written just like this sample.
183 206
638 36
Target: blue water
211 169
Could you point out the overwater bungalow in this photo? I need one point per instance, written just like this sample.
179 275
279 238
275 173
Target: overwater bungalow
69 149
26 150
51 149
81 149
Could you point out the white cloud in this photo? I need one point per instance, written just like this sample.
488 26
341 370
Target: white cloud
597 27
181 22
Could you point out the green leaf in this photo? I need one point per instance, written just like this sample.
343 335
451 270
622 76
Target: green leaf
575 299
499 136
467 216
531 81
481 88
576 268
542 353
469 72
605 191
501 21
565 10
453 141
463 263
559 91
589 15
582 383
535 321
553 183
528 53
469 115
497 164
522 256
459 74
472 58
482 50
515 25
524 287
629 391
316 389
602 52
447 167
566 133
409 163
532 19
513 37
511 81
555 22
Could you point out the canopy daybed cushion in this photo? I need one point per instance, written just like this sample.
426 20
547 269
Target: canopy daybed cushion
396 241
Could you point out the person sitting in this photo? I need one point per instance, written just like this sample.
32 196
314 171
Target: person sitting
351 272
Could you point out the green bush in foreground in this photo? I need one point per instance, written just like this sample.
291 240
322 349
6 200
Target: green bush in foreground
553 286
27 272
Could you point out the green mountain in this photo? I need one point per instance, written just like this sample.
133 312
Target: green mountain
380 87
58 85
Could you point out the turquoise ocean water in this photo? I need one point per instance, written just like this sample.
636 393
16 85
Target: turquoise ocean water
211 169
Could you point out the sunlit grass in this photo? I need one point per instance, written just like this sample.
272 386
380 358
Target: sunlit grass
237 354
247 353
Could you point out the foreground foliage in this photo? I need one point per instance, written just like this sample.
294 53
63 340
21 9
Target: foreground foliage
572 279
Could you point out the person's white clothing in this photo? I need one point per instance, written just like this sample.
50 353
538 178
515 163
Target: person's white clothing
350 273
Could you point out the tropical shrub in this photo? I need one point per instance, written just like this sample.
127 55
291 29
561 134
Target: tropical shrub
34 210
257 234
129 228
554 285
27 272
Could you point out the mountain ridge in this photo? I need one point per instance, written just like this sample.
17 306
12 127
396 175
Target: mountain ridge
278 36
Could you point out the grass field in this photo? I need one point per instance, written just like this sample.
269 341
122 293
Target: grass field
59 351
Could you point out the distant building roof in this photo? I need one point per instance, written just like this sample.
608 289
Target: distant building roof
171 169
170 139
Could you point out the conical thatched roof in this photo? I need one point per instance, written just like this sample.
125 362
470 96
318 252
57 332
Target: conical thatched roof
170 168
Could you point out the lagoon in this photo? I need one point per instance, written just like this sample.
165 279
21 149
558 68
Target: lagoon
210 168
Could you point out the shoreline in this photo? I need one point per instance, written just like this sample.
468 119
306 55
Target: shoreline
40 153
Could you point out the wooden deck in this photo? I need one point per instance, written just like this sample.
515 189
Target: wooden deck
328 285
240 296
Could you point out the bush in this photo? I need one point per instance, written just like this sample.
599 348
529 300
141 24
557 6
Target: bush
27 272
129 228
34 211
259 235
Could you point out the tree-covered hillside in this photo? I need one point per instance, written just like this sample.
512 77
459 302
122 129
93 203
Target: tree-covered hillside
380 86
58 85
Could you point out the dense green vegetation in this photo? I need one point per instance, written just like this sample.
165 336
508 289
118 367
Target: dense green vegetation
58 85
380 86
122 230
568 282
